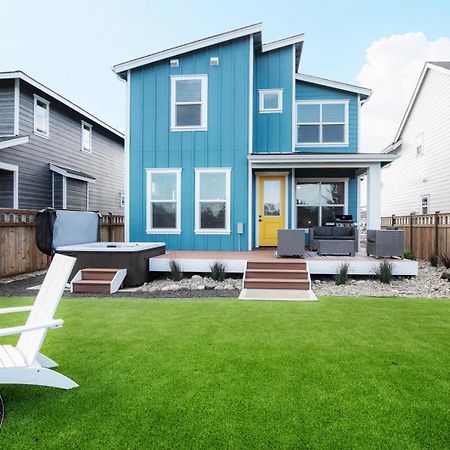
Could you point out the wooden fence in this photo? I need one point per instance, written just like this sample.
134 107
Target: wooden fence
425 234
18 251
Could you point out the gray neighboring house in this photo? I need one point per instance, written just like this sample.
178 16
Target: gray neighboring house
55 154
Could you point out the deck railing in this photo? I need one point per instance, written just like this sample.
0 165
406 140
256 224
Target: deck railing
425 234
18 251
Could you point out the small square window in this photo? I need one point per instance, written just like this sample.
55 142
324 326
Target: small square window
425 204
41 116
86 137
270 100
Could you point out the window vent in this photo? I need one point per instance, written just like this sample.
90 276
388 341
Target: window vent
174 63
214 61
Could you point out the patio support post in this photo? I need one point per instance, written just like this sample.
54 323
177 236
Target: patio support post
374 197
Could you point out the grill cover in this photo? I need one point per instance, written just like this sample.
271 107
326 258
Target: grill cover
55 228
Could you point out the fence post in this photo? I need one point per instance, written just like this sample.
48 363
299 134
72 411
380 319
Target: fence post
436 233
411 239
110 234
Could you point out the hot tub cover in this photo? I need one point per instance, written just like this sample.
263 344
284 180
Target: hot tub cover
55 228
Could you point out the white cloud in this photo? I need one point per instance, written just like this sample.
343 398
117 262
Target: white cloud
392 69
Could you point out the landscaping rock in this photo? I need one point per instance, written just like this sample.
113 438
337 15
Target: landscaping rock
197 278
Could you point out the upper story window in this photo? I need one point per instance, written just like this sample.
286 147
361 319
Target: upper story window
322 123
163 200
41 116
419 145
189 102
212 201
425 203
86 137
270 100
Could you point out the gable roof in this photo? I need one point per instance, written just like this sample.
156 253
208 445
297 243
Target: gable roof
443 67
18 74
189 47
255 29
364 92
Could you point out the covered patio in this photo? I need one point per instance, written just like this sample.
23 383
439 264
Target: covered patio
313 188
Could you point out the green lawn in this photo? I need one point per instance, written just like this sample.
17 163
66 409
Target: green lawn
338 373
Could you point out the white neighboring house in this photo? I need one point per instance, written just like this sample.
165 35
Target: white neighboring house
419 180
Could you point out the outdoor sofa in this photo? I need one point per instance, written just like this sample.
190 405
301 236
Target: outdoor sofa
336 235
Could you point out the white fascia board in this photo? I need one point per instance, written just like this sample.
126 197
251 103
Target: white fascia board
296 39
66 174
333 84
13 142
360 159
392 147
23 76
189 47
424 72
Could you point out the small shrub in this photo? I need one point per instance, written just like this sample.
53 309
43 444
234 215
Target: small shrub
410 255
218 271
445 260
175 271
384 272
434 260
342 274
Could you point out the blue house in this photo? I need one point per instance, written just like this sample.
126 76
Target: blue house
227 142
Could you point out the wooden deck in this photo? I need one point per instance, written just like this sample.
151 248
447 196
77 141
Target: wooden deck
235 262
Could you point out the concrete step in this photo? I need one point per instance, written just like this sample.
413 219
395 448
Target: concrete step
282 274
275 283
91 287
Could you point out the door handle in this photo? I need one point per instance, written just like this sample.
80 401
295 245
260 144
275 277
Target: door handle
260 220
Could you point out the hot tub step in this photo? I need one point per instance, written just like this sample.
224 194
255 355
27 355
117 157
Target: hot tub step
98 281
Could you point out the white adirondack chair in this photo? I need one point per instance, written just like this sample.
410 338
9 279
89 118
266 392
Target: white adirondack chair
23 364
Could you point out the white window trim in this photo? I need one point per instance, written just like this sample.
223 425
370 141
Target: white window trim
204 103
427 198
319 180
149 228
323 144
262 93
36 131
15 170
88 125
198 172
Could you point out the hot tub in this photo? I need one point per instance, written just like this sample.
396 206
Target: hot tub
132 256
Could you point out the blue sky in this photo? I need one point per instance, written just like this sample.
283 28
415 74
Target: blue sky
71 45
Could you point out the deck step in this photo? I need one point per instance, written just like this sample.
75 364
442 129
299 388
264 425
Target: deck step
275 283
291 274
277 274
277 264
91 287
98 274
98 281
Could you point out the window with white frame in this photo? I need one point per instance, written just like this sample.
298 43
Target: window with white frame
41 116
419 144
212 200
189 102
163 200
318 202
270 100
425 203
322 123
86 137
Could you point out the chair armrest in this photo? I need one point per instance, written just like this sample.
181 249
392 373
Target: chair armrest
18 330
15 309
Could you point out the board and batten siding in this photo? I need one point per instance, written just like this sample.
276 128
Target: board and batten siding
410 177
272 132
224 144
6 107
63 147
310 91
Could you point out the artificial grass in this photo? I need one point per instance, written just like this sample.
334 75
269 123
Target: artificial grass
338 373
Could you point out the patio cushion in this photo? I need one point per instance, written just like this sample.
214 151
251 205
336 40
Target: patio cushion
342 232
321 232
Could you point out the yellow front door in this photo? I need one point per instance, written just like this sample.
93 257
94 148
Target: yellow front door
271 209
